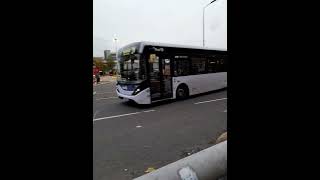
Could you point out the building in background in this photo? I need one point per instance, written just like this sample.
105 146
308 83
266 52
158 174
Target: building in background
104 65
106 54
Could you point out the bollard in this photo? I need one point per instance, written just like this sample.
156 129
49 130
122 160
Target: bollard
207 164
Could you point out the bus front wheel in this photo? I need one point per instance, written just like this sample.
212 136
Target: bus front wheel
182 92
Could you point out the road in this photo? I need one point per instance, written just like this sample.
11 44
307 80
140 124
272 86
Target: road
128 138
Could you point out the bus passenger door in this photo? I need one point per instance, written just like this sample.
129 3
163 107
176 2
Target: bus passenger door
154 72
166 83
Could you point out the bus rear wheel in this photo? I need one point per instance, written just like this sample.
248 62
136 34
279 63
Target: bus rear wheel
182 92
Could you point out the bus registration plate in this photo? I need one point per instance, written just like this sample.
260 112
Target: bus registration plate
124 87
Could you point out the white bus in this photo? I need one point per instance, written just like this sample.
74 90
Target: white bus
150 72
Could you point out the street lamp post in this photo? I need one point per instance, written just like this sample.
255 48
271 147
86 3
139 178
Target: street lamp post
203 21
115 40
117 64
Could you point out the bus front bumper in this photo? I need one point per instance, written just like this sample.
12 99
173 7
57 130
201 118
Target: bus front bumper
142 97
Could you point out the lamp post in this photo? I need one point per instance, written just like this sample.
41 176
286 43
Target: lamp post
115 40
203 20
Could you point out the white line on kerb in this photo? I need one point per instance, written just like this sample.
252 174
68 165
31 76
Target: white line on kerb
101 83
210 101
106 98
105 93
109 117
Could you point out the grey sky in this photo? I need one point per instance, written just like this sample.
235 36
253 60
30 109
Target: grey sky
167 21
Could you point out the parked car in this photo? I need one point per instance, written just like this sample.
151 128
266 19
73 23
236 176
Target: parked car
112 72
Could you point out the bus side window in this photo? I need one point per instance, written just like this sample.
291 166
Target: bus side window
221 64
225 63
211 65
181 67
185 67
198 65
175 63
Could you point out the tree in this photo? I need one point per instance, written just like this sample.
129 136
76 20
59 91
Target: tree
110 63
104 66
98 61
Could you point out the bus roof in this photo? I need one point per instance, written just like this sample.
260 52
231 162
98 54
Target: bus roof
146 43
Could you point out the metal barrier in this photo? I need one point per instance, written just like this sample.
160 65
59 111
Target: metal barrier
207 164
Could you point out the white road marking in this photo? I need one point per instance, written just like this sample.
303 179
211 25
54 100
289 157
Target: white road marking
106 98
138 126
95 114
121 115
149 111
210 101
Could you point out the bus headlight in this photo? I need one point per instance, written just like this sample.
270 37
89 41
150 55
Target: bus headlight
139 88
136 91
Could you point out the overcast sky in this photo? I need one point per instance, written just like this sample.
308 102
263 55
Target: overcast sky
167 21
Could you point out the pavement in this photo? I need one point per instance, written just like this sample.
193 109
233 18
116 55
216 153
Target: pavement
105 80
108 78
129 138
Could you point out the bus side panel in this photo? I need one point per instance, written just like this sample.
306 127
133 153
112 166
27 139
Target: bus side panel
201 83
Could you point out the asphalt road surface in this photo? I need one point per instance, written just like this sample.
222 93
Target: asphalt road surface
129 138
